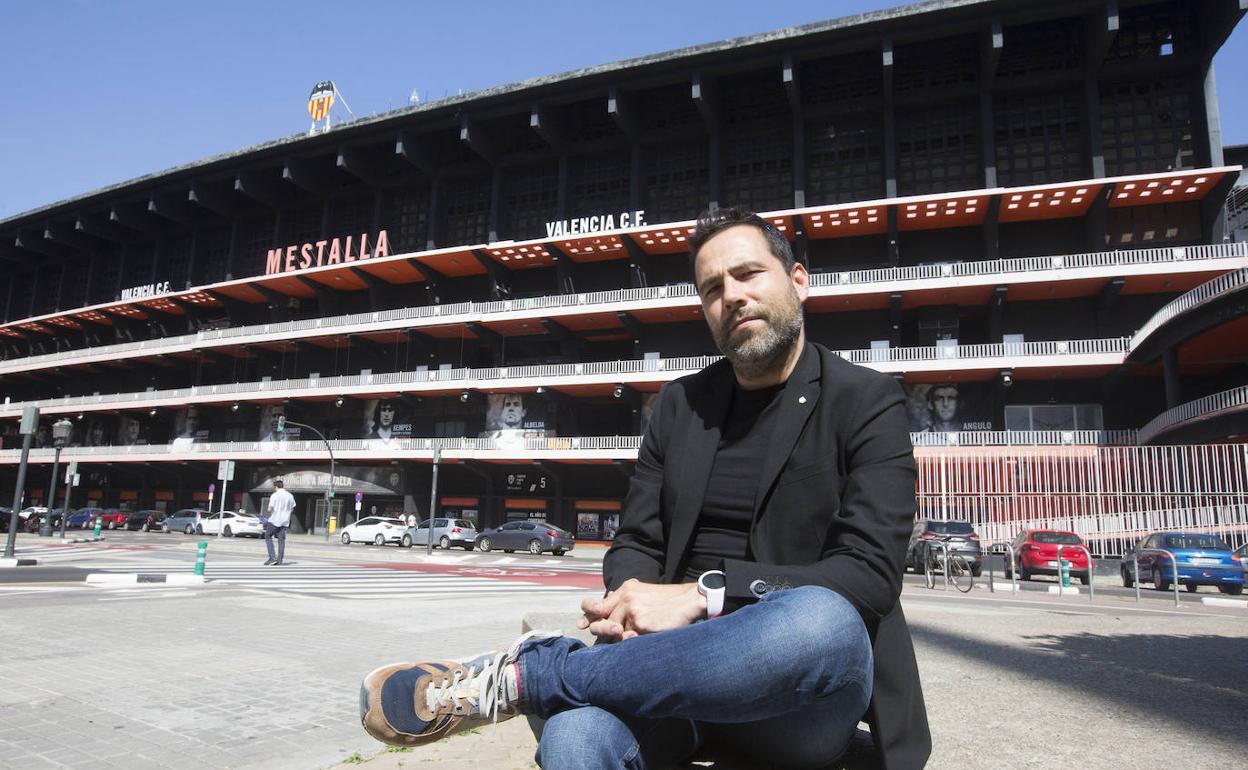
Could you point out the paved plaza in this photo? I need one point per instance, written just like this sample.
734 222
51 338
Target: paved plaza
246 674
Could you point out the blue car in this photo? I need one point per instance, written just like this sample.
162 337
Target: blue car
82 517
1203 560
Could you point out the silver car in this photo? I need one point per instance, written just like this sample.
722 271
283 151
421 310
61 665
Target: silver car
532 536
460 533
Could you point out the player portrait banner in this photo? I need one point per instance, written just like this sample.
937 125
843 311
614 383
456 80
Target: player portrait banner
948 407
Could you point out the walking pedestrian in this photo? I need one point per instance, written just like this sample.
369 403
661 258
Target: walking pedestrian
280 506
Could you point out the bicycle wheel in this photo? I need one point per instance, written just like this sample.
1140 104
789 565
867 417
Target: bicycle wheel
960 573
929 570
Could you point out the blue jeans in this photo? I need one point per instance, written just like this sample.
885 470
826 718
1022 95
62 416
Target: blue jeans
271 532
784 680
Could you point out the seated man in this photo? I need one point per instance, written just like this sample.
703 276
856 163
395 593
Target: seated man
752 587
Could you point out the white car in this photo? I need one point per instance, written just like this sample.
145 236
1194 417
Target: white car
235 524
377 530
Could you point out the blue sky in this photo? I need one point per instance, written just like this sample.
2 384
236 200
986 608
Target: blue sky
97 93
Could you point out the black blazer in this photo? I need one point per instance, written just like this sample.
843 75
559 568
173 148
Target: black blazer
834 508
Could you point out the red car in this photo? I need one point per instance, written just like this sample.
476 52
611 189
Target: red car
1035 553
111 518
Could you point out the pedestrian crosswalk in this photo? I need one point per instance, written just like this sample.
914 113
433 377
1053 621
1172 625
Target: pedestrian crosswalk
364 582
68 554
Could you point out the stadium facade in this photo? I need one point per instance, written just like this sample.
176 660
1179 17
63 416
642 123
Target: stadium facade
1018 209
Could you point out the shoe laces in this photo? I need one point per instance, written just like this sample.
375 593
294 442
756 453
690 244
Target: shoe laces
480 690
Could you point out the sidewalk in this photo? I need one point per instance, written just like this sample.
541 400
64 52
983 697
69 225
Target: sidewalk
316 546
1031 684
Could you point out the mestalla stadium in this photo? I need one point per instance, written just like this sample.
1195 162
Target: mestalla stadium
1020 210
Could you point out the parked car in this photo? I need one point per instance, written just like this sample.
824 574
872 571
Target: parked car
83 517
35 519
1202 560
446 533
184 520
235 524
532 536
145 521
6 515
112 518
960 538
377 530
1035 553
25 514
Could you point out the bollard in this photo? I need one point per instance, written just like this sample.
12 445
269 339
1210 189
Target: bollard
1065 569
96 533
200 557
333 524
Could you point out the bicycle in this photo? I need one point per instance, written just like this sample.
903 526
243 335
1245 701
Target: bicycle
954 564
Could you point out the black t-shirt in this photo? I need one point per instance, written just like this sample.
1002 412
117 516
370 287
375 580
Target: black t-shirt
727 512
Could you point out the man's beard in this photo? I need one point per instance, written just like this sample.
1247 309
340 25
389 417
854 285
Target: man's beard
753 354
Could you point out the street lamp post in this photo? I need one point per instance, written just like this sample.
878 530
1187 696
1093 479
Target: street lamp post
282 422
62 429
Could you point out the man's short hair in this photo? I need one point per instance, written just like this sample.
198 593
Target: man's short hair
931 392
278 484
713 222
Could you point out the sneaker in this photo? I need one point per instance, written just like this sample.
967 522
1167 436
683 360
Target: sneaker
409 704
270 561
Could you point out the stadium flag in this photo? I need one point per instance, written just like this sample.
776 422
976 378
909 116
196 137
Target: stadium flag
321 100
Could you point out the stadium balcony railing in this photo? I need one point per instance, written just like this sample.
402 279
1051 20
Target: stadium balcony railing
549 447
1235 399
1014 355
1061 267
1221 286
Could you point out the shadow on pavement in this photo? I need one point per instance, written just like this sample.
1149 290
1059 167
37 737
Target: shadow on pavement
1192 681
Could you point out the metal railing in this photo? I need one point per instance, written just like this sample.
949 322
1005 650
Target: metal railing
1025 438
384 447
1031 264
1201 407
1005 350
1005 549
1174 561
464 312
625 445
1091 569
1220 286
669 368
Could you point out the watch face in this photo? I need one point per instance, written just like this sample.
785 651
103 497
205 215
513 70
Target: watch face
714 580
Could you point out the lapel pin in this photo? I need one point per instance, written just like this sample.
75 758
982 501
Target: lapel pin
801 399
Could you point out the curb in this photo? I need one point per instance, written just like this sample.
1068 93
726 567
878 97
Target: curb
121 578
1064 590
16 562
1218 601
99 539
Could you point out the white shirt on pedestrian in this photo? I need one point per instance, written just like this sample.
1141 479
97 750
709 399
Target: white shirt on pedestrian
280 506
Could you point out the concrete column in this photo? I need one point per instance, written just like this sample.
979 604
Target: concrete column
1170 363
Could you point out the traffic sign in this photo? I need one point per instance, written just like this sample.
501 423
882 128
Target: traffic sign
225 470
212 488
359 496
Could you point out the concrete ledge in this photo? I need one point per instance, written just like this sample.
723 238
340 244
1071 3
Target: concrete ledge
123 578
1007 587
1064 591
1218 601
555 621
15 562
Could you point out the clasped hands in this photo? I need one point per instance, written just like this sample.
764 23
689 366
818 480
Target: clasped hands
637 608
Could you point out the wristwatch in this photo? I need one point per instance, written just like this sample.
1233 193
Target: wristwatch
713 585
